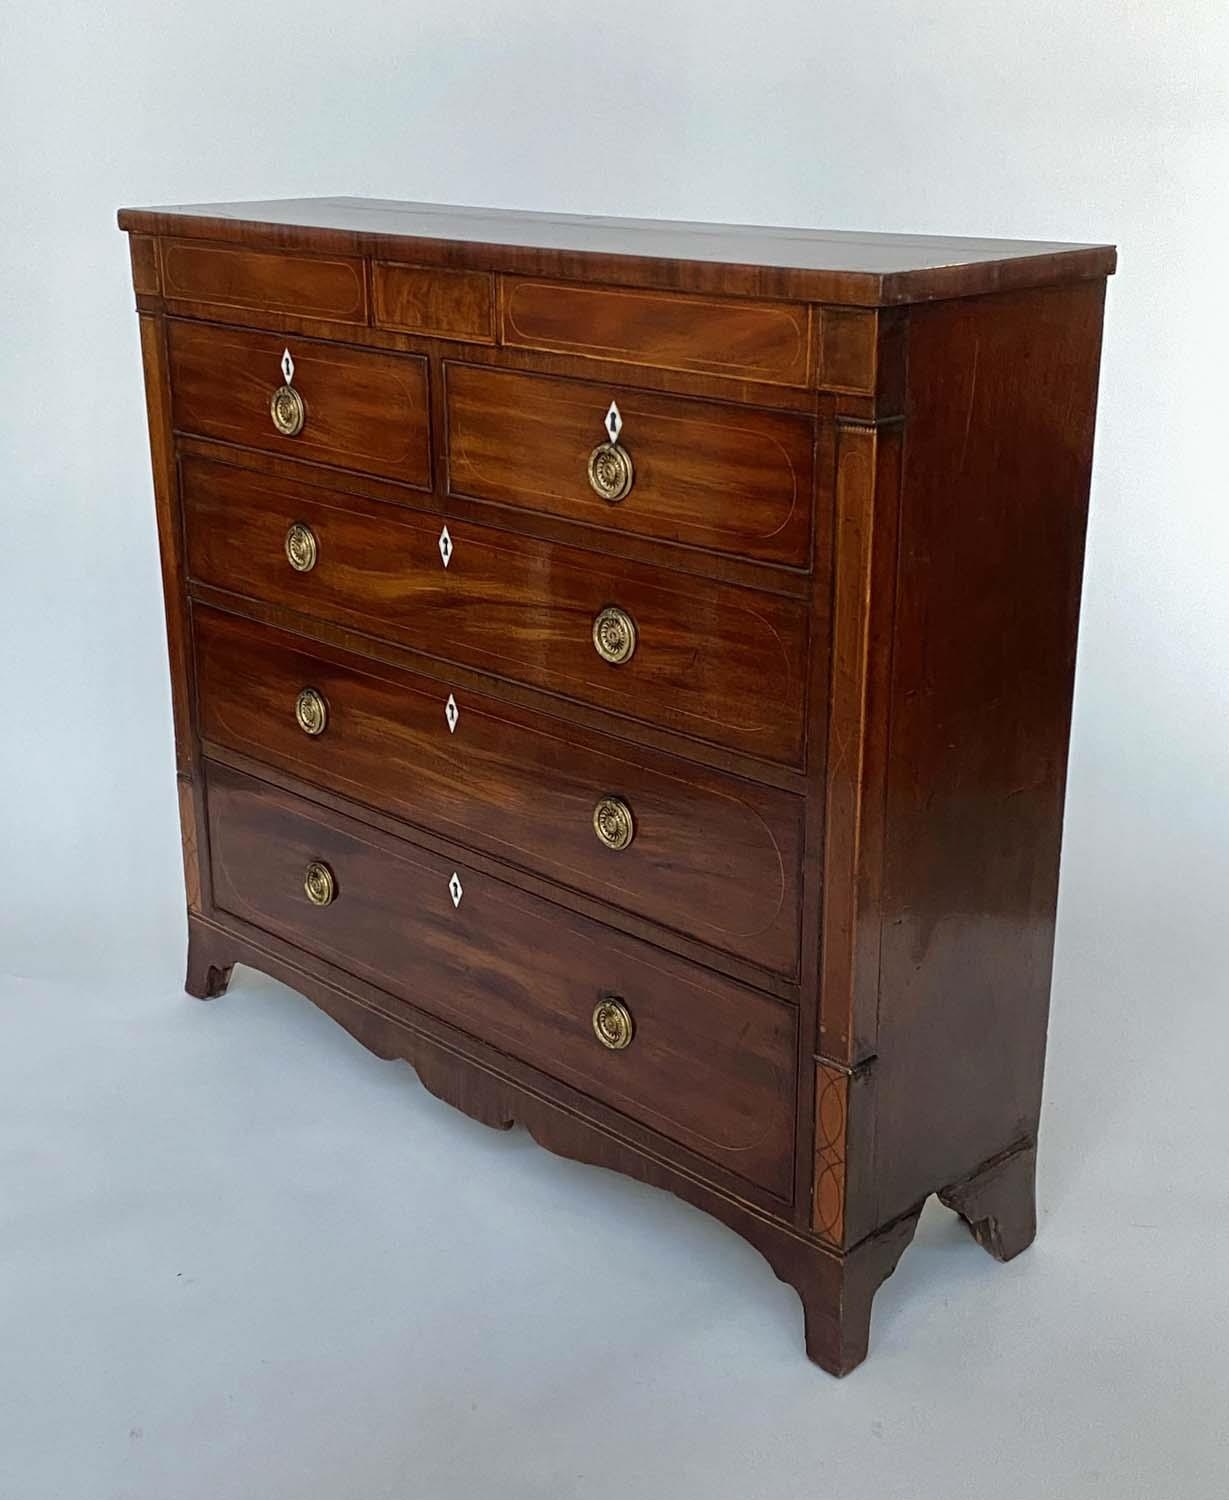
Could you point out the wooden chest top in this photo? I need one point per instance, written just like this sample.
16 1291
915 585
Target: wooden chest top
836 266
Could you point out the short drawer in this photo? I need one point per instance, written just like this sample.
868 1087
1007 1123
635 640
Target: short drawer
744 340
359 409
724 664
706 1062
711 856
330 289
726 478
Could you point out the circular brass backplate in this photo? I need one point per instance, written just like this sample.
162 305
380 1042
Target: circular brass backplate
301 548
612 1023
610 471
287 410
311 711
613 823
319 886
614 635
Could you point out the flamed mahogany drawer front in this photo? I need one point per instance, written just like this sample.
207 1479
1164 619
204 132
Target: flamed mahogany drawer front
435 303
709 855
706 1062
766 341
354 409
328 288
727 478
706 659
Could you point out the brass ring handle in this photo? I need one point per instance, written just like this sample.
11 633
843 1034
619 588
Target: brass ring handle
287 410
301 548
311 711
319 886
613 823
614 635
612 1023
610 472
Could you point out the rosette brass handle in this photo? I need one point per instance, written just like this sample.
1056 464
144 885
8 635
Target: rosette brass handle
614 635
612 1023
613 823
301 548
287 410
610 472
311 711
319 886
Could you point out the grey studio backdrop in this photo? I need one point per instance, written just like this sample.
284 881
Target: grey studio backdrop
241 1257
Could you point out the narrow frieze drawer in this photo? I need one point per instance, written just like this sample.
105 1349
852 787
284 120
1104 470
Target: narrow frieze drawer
742 340
435 303
331 289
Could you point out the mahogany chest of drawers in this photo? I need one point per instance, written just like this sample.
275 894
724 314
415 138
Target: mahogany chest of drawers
625 669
